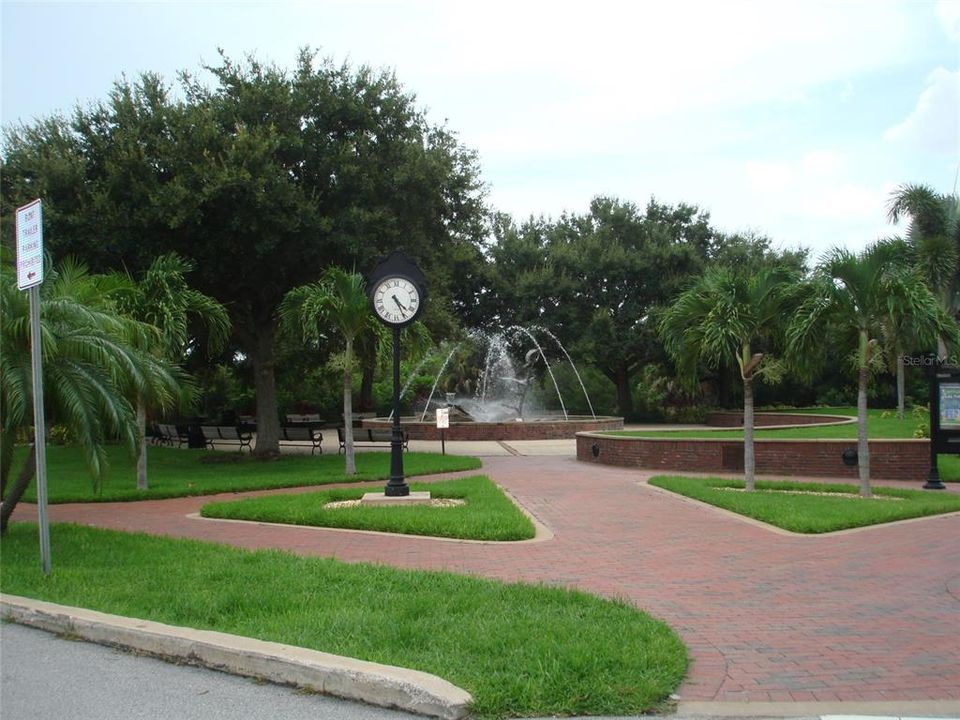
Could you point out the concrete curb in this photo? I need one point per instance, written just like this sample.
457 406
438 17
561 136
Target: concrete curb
344 677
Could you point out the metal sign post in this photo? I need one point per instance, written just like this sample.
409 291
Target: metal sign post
29 276
40 428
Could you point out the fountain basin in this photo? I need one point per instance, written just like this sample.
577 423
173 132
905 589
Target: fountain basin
548 427
905 459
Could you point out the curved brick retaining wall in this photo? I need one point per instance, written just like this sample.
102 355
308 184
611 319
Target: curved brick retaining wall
761 419
889 459
548 429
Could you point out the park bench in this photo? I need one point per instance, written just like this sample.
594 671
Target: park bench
168 433
370 437
229 434
311 419
302 433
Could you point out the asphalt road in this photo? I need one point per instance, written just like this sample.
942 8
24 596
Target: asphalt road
43 676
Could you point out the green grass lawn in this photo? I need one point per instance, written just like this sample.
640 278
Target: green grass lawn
178 472
878 428
842 508
520 650
487 515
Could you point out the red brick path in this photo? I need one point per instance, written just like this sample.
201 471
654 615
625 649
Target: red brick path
868 615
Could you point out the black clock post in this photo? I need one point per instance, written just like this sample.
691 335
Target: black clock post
397 485
397 289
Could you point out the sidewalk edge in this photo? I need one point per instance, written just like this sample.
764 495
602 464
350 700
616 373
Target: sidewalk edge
344 677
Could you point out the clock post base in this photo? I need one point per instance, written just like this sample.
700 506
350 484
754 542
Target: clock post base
398 490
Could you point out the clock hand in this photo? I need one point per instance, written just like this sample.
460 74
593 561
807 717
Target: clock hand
403 310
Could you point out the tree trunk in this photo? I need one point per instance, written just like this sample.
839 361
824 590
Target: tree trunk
268 424
624 397
748 454
901 401
365 404
724 387
351 463
863 448
142 456
7 444
18 489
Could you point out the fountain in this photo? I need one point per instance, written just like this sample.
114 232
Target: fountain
503 391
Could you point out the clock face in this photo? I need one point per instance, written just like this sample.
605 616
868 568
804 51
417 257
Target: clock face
396 300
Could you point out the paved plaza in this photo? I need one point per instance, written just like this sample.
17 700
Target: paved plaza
865 615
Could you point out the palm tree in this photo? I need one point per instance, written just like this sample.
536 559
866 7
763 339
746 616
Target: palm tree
721 320
338 299
853 296
93 363
165 300
898 333
934 239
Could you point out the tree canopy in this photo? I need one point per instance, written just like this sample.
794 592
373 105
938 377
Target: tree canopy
600 279
262 179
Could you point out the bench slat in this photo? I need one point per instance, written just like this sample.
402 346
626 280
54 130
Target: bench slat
374 438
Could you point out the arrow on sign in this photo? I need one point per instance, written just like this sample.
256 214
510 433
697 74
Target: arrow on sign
31 275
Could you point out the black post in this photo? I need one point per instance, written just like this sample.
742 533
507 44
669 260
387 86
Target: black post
933 481
397 486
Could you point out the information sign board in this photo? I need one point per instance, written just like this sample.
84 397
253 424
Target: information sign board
29 245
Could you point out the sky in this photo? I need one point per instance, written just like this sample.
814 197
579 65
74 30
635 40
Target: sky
794 120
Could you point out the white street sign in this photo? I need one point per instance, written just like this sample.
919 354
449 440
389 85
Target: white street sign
29 245
443 418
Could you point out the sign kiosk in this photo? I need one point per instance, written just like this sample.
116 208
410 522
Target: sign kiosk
944 416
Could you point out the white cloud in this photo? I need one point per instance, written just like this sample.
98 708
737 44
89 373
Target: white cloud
546 72
934 124
758 111
818 198
768 176
847 200
814 167
822 163
949 13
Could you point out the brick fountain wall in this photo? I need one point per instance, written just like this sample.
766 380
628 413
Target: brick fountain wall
530 430
889 459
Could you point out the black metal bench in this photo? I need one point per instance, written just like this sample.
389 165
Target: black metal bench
168 434
302 433
370 437
229 434
308 419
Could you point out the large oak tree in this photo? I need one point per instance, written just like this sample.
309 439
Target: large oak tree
262 178
597 279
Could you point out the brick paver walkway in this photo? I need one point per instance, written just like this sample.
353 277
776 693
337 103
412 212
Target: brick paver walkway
867 615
